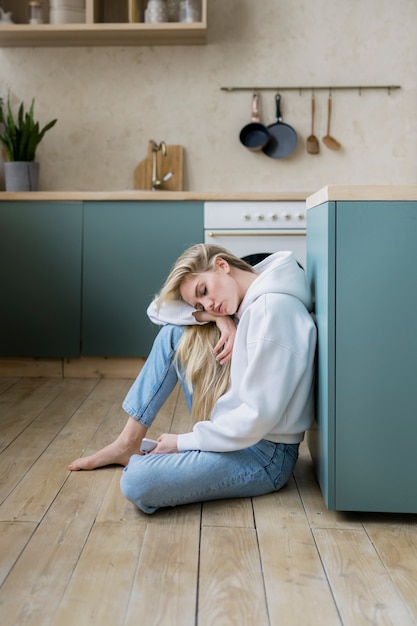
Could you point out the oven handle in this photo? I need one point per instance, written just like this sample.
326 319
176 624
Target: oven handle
255 234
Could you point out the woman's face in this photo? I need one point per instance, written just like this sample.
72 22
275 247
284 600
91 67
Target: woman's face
215 291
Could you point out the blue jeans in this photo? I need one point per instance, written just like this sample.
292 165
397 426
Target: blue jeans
160 480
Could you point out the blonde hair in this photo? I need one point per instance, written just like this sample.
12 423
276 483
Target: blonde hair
205 376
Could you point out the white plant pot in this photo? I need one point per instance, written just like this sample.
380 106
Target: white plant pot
21 175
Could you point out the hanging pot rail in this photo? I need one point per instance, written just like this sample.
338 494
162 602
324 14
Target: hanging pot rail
329 88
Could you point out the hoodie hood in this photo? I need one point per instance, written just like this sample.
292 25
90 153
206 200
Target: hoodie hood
278 273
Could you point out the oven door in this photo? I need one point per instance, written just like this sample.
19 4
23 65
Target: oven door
255 242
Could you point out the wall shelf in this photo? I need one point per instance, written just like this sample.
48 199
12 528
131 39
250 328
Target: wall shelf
98 30
313 88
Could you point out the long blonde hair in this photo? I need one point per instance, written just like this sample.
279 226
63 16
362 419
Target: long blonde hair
205 376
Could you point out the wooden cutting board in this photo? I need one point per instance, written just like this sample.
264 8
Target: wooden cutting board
173 162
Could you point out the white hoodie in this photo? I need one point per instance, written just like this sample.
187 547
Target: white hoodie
270 394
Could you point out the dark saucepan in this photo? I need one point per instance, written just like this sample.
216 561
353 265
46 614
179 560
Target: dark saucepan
283 138
254 136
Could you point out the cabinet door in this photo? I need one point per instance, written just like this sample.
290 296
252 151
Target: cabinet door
376 356
361 259
129 248
40 268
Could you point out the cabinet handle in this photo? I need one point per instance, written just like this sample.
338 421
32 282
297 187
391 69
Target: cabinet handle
254 234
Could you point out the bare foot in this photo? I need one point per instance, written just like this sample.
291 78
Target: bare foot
116 453
110 455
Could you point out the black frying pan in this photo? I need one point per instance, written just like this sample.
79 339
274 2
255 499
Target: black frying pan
282 137
254 136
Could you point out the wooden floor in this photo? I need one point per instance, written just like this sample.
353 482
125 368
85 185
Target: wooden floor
74 552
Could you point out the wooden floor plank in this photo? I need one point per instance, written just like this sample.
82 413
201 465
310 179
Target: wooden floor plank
231 587
13 538
99 590
22 405
295 582
89 556
395 539
361 585
165 586
113 418
5 385
237 512
34 494
33 589
22 453
32 497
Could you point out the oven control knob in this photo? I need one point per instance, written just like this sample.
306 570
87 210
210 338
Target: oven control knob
246 216
300 216
286 216
260 217
273 217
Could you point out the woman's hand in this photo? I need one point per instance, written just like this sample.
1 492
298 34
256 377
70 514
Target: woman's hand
167 444
224 347
227 327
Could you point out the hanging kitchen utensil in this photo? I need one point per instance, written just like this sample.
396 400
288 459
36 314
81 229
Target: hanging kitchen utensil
254 136
328 140
313 146
283 138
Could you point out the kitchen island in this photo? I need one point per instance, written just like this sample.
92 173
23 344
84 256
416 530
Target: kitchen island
361 260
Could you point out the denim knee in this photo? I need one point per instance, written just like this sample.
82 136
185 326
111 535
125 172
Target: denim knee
134 483
170 333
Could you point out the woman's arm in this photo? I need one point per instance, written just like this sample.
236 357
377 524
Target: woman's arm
227 327
172 312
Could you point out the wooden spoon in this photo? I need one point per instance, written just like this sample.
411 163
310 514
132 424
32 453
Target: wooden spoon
328 140
313 146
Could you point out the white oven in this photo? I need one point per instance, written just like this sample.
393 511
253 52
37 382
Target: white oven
257 228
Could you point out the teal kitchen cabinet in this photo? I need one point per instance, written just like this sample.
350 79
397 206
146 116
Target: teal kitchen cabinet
40 266
361 264
129 248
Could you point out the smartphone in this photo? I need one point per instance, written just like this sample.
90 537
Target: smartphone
147 445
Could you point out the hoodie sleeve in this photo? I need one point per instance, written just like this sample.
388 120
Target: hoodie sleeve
173 312
279 351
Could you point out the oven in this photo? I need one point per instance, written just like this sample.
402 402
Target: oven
254 229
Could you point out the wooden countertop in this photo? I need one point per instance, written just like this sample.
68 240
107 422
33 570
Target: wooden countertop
74 196
329 193
362 192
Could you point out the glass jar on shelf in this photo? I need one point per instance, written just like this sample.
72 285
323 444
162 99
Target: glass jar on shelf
35 12
190 11
156 11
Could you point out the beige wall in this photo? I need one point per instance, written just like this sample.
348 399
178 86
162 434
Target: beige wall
110 101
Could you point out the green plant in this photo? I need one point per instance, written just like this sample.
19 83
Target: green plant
22 136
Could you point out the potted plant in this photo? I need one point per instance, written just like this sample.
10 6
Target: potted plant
20 139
